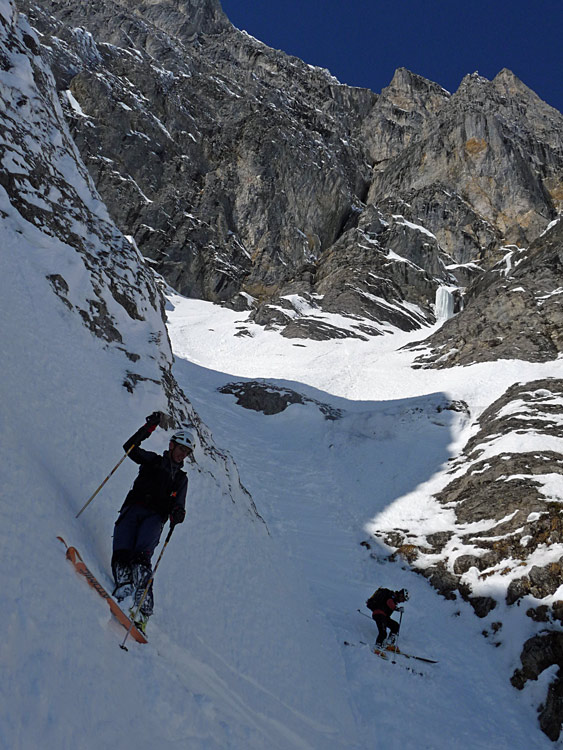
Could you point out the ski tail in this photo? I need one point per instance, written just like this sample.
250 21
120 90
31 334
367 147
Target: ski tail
395 650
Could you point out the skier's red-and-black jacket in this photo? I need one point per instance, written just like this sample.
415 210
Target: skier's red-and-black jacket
383 602
161 485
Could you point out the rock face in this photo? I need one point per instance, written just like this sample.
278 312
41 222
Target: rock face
500 496
465 144
48 192
223 158
253 179
514 311
540 653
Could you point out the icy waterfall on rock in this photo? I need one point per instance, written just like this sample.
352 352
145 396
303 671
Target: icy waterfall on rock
444 305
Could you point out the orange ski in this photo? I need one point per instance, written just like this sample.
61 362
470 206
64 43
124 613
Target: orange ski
73 555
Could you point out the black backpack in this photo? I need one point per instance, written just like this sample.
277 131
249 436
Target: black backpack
378 599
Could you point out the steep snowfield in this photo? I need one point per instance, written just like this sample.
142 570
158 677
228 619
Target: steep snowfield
323 485
247 643
215 675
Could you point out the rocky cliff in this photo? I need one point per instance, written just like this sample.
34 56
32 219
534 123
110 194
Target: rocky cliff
253 179
513 311
97 274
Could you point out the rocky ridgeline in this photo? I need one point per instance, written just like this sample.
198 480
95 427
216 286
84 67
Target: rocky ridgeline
253 179
484 169
504 547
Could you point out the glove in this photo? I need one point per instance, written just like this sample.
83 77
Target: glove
399 609
177 515
153 421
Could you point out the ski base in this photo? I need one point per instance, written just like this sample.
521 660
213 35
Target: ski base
73 555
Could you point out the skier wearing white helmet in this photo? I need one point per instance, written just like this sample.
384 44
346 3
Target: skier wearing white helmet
158 494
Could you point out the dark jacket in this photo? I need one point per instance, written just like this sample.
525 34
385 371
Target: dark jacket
382 602
160 484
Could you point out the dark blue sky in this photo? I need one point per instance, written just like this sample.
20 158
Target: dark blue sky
362 42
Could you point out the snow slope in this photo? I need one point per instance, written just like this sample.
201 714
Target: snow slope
323 485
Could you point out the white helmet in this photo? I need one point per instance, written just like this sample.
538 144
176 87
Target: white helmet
184 437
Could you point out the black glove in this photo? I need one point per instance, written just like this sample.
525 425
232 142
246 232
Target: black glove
153 421
177 515
400 609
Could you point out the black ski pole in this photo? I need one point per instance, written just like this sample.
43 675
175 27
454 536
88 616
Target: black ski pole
146 591
118 464
399 630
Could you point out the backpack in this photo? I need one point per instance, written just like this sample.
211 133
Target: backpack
378 599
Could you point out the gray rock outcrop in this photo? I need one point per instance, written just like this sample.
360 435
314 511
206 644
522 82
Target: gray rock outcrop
458 154
272 399
48 187
540 653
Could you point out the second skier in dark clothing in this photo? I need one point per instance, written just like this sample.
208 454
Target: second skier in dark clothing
158 494
382 604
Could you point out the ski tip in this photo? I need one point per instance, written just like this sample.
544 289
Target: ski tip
63 541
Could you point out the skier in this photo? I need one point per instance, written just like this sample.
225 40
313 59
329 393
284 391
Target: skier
383 603
158 494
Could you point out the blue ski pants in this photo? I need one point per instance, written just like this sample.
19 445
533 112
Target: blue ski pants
135 537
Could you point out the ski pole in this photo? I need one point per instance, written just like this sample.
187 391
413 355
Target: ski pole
399 630
105 480
146 591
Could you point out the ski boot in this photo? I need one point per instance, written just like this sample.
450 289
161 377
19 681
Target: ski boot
140 620
391 643
123 577
380 651
122 591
